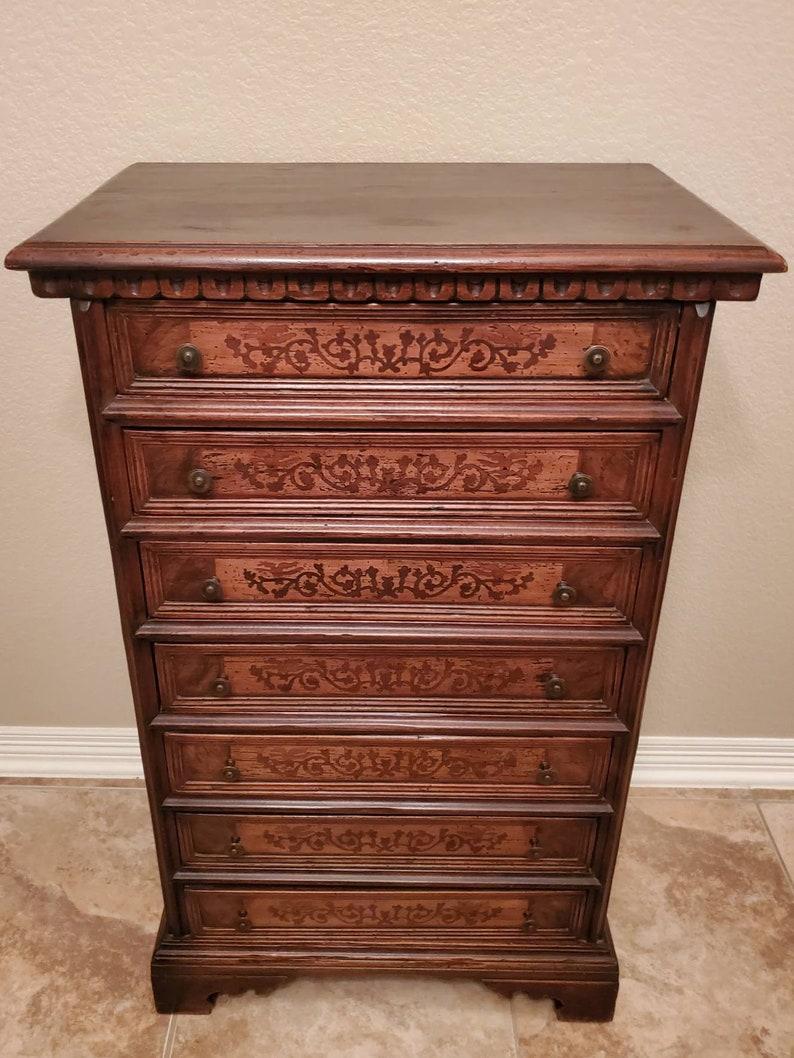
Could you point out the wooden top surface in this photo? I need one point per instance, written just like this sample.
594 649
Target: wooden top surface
528 217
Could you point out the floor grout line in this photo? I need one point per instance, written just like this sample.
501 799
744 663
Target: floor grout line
773 843
777 795
513 1026
66 786
170 1037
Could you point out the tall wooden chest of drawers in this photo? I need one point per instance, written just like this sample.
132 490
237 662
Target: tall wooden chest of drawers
390 458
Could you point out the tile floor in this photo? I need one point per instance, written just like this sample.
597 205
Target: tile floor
702 916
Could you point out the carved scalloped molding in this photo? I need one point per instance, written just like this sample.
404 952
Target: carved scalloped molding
353 289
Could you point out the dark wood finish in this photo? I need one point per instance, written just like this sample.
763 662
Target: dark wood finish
257 347
338 678
393 766
340 473
250 581
389 217
407 919
514 844
375 736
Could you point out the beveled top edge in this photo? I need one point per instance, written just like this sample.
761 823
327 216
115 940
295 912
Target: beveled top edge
367 260
373 217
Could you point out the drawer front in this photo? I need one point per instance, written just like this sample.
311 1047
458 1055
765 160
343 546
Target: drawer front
556 681
586 475
346 581
524 346
501 843
367 918
393 765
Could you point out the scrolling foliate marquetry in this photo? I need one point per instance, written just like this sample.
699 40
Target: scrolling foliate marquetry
246 841
574 765
189 673
385 840
376 763
408 474
457 352
402 677
316 348
278 578
268 468
391 582
386 916
515 914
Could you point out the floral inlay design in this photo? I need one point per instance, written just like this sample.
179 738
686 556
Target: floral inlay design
418 583
375 474
352 351
440 912
356 841
401 677
351 764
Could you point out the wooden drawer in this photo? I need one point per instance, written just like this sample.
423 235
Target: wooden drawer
556 681
245 581
341 472
256 349
518 844
393 765
371 917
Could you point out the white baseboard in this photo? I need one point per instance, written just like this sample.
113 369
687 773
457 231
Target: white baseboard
764 763
70 752
112 753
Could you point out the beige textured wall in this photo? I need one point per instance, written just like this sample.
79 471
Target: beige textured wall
696 86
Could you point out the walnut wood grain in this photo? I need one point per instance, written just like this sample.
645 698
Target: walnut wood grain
350 582
501 843
392 217
269 679
412 918
388 408
337 408
260 346
387 765
319 287
266 473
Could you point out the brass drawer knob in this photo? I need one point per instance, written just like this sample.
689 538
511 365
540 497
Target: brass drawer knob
220 687
546 773
555 687
580 486
236 848
230 773
213 592
188 359
564 594
243 922
199 481
596 360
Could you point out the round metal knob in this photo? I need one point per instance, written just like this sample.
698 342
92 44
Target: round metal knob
596 360
220 687
580 486
211 590
230 773
545 772
236 847
188 359
564 594
243 922
555 687
199 481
